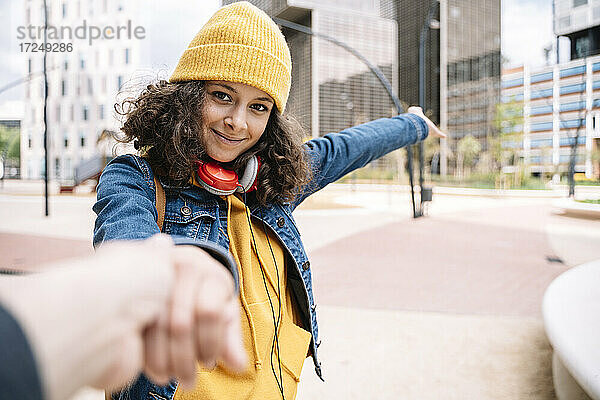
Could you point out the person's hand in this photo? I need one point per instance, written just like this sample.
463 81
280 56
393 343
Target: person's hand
203 322
434 131
90 321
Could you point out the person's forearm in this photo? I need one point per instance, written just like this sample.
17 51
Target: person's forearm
68 320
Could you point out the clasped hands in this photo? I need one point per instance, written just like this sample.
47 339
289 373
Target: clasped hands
145 306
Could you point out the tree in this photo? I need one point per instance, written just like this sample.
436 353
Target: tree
505 146
467 149
10 144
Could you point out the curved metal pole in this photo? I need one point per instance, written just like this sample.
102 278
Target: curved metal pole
377 72
422 101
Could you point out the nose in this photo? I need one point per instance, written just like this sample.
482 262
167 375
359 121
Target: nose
236 119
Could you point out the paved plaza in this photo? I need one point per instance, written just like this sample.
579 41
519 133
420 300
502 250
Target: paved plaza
443 307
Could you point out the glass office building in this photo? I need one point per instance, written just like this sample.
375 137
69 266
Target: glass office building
462 65
331 88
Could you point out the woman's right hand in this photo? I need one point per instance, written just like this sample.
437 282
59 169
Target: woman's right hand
434 131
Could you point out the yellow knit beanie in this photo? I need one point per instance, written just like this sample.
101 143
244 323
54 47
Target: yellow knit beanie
240 43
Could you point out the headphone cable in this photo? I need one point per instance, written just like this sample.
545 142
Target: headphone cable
275 321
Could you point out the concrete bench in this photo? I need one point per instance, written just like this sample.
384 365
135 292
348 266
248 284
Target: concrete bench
571 311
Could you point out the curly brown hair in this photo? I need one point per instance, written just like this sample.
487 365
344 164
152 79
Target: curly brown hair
165 123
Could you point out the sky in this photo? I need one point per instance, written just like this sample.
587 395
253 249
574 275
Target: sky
526 30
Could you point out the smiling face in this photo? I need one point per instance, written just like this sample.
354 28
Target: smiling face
235 116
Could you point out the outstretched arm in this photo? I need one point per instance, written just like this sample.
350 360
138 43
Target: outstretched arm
336 154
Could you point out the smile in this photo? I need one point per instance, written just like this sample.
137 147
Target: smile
225 139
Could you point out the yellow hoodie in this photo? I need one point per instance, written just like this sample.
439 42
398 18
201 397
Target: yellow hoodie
258 328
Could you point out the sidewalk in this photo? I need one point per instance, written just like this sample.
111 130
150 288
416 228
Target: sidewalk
446 306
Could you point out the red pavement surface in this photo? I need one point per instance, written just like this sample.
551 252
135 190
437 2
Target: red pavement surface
491 261
27 252
463 263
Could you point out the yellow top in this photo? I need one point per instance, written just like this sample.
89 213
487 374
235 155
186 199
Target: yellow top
258 328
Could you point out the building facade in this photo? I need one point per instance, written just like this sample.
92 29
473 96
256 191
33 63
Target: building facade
579 20
83 80
561 107
332 89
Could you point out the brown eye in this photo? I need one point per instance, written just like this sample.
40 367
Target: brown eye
259 107
221 96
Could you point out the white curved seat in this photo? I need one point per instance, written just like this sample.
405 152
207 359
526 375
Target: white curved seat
571 311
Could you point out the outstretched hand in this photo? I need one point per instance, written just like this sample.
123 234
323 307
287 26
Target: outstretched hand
434 131
140 306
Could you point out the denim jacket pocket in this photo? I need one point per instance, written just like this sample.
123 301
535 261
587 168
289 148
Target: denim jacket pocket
188 223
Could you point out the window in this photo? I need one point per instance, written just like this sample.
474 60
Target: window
85 110
572 123
572 71
58 113
582 46
81 139
569 141
541 110
57 167
119 82
535 143
512 83
101 111
66 65
64 10
126 56
541 77
90 86
577 3
576 105
578 87
66 139
541 126
29 65
72 113
63 86
541 93
29 142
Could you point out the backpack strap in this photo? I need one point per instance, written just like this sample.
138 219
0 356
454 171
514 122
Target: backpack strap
160 202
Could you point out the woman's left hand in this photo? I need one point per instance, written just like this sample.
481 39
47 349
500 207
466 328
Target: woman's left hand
434 131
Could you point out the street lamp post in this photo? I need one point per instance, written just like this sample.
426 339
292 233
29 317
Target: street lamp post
430 23
46 159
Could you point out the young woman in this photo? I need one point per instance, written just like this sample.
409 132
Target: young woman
233 168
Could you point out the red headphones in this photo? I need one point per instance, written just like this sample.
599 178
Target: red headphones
222 182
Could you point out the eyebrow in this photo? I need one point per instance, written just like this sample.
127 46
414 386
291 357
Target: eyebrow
235 91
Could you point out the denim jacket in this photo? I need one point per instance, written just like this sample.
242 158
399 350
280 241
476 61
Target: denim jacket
126 209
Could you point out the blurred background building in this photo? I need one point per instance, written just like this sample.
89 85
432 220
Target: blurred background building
82 86
530 114
331 89
462 63
560 103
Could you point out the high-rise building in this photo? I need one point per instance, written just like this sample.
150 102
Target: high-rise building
579 20
83 77
332 89
561 103
462 62
561 107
